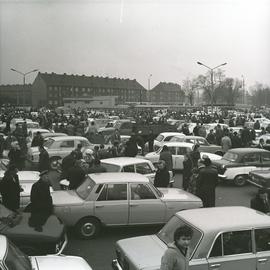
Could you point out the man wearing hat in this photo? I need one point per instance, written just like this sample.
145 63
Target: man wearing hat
261 201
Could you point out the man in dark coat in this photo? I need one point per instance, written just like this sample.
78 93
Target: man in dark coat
10 189
67 163
131 147
162 177
150 139
187 171
207 182
44 159
166 155
195 155
97 167
261 201
75 175
15 156
37 140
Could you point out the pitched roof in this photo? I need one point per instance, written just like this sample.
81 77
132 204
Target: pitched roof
88 81
164 86
15 87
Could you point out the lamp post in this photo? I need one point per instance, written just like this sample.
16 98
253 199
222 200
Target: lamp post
24 74
211 79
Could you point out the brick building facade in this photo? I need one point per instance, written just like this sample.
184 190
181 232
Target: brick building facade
51 88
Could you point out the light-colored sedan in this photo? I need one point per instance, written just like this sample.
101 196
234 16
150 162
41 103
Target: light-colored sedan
224 238
164 137
26 179
12 258
178 150
117 199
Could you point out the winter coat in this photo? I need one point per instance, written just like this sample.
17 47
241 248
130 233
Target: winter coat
162 178
167 157
226 143
174 259
44 161
10 190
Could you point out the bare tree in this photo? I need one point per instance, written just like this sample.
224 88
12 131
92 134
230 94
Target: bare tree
189 88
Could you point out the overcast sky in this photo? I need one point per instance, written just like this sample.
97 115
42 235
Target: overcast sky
135 38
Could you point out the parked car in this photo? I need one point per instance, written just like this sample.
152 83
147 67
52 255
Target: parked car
205 146
58 147
49 135
110 199
20 121
32 133
12 258
178 150
26 179
237 163
21 229
260 178
227 238
166 137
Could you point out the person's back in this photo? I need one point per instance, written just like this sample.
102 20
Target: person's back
166 155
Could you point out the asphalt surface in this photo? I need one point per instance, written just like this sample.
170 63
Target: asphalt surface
99 252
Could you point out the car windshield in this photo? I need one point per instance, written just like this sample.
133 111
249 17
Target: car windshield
159 193
110 167
85 188
167 232
16 259
230 156
48 142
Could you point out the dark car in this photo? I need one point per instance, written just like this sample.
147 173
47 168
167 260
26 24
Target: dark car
30 236
260 178
237 163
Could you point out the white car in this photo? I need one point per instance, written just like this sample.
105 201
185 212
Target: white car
165 137
32 133
59 147
12 258
213 126
26 179
178 150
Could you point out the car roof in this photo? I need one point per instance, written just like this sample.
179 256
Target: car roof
60 138
119 177
247 150
124 160
177 144
225 218
24 175
3 246
194 137
170 133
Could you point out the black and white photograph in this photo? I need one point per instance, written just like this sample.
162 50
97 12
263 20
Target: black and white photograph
135 134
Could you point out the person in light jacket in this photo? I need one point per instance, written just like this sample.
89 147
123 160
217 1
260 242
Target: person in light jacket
176 257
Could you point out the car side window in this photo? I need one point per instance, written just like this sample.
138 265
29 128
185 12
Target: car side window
265 158
67 144
128 168
168 138
262 238
251 158
113 192
217 247
143 168
190 140
141 192
237 242
172 150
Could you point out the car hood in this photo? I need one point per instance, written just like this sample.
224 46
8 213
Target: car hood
66 198
175 194
23 228
136 246
59 262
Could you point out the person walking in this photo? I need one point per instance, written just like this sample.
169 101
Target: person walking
162 176
44 159
207 182
15 156
187 171
226 142
166 155
176 256
37 140
195 155
10 188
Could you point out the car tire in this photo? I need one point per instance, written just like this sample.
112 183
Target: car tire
240 180
88 228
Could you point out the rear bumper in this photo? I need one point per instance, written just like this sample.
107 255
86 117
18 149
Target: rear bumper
116 265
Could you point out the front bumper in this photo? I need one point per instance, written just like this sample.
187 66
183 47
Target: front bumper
222 176
116 265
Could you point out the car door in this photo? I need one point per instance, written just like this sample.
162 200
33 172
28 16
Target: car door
179 158
262 244
251 161
111 206
145 169
144 206
265 160
232 251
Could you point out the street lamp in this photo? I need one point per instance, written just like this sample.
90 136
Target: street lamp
24 74
212 79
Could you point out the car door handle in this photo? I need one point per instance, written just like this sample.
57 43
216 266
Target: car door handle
133 205
99 206
215 265
262 260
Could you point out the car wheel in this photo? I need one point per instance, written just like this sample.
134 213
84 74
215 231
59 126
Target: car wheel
88 228
240 180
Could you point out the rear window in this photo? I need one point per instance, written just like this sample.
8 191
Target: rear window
110 167
230 156
85 188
